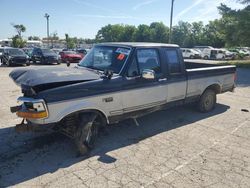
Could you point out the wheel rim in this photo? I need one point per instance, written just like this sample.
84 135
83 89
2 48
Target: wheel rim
92 134
209 102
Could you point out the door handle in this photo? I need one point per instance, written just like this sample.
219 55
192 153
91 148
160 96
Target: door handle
163 80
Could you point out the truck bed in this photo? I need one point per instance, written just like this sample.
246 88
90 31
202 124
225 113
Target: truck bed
205 69
202 75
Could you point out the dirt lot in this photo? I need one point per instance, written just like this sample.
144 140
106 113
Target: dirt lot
175 148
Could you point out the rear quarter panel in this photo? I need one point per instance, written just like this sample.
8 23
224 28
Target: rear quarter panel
200 79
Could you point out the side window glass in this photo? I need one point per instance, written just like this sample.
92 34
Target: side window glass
173 61
133 69
148 59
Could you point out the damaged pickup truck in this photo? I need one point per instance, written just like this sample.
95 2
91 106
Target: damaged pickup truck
115 81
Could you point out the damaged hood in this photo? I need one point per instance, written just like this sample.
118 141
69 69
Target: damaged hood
38 76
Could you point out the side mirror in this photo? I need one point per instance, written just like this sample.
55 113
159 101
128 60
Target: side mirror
148 74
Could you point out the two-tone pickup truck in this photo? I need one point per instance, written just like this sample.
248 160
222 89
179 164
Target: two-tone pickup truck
115 81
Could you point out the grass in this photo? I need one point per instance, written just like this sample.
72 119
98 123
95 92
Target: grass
238 63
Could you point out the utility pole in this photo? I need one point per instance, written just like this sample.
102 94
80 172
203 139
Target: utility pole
47 18
171 22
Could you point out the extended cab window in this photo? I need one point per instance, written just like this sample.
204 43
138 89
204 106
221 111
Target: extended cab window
173 61
148 59
145 59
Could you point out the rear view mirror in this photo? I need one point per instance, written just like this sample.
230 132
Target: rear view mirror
148 74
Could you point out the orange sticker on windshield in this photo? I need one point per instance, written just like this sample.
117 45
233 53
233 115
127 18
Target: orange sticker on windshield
121 57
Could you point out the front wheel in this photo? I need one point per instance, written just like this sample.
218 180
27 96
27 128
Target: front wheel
87 132
207 101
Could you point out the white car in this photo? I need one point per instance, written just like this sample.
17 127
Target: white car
190 53
213 54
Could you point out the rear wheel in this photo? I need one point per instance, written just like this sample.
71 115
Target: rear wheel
87 132
207 101
191 57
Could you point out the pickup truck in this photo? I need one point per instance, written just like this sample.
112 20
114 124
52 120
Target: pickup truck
114 82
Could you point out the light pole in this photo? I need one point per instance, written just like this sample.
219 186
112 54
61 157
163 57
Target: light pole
47 18
171 22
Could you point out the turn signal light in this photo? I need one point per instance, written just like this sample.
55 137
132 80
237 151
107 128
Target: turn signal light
32 115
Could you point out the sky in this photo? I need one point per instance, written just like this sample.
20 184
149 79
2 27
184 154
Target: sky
83 18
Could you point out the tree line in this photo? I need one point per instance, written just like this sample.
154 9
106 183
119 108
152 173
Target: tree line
232 29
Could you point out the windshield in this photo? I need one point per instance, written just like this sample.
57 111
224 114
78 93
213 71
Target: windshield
15 52
106 58
48 51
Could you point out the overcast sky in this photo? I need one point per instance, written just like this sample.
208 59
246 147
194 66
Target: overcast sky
83 18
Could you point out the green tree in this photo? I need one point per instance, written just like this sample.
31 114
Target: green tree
128 33
182 34
110 33
244 1
70 42
143 34
20 28
18 42
159 32
235 25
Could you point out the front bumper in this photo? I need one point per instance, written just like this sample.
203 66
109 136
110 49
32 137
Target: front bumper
28 126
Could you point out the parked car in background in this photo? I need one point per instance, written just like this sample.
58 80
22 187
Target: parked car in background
244 50
1 54
14 56
44 56
57 50
70 56
82 51
229 55
28 51
190 53
239 53
202 48
216 54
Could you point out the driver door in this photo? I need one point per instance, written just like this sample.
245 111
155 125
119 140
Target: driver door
139 93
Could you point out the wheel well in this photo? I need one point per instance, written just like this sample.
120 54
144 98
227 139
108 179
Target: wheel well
77 113
214 87
68 125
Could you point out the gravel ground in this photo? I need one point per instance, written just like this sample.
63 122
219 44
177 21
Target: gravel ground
174 148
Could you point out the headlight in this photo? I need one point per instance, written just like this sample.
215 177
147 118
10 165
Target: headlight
32 109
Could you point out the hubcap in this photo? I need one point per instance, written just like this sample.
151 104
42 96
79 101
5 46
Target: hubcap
209 102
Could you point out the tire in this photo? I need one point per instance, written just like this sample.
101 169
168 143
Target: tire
191 57
27 64
87 133
3 62
8 64
206 57
207 101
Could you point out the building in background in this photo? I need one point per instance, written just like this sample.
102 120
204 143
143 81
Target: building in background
6 42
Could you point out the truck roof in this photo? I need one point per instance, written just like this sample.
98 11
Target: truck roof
139 44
